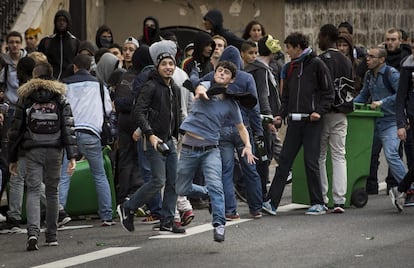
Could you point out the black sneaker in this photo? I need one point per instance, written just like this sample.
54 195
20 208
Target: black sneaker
126 218
32 243
63 218
171 227
219 233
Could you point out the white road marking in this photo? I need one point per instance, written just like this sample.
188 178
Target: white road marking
197 229
291 206
100 254
63 228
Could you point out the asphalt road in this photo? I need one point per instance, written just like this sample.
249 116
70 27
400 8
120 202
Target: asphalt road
373 236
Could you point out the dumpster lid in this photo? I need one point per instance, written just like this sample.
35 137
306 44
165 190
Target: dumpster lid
363 109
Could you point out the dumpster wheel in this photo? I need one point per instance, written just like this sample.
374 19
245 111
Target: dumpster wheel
359 198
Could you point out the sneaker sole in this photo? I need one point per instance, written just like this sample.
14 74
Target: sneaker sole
315 213
187 220
232 219
169 233
64 221
258 216
14 230
268 211
149 222
108 224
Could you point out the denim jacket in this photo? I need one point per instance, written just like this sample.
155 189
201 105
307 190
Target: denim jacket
375 88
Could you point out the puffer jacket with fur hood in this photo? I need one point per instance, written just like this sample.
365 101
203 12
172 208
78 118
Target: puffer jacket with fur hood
40 90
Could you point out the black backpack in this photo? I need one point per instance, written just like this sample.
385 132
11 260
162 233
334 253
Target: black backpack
44 120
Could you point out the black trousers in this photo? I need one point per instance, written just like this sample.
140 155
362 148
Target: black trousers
298 134
128 174
408 179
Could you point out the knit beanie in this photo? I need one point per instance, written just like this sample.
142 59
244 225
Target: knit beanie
164 55
162 47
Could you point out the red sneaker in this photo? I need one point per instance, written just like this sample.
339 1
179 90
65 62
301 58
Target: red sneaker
187 217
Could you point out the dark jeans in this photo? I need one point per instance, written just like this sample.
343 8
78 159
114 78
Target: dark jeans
298 134
155 203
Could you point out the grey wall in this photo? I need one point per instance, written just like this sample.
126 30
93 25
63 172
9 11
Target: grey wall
370 18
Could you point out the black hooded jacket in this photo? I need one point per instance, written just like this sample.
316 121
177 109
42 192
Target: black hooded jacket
150 35
308 88
124 94
395 57
202 63
215 17
61 47
158 108
405 94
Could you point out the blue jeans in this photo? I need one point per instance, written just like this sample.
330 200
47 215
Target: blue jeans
210 163
155 203
90 146
230 140
64 183
386 131
164 172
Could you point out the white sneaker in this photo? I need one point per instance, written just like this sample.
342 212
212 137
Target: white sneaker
2 218
397 198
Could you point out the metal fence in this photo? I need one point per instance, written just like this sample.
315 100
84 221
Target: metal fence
9 10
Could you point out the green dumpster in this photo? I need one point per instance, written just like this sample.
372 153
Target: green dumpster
82 196
361 124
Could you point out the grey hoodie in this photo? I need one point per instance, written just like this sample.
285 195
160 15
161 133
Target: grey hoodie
106 66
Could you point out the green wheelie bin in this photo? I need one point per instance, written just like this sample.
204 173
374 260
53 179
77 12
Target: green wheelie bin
361 124
82 196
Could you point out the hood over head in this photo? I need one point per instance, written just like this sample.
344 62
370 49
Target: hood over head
215 17
65 14
107 42
150 35
106 66
232 54
201 40
88 46
347 38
